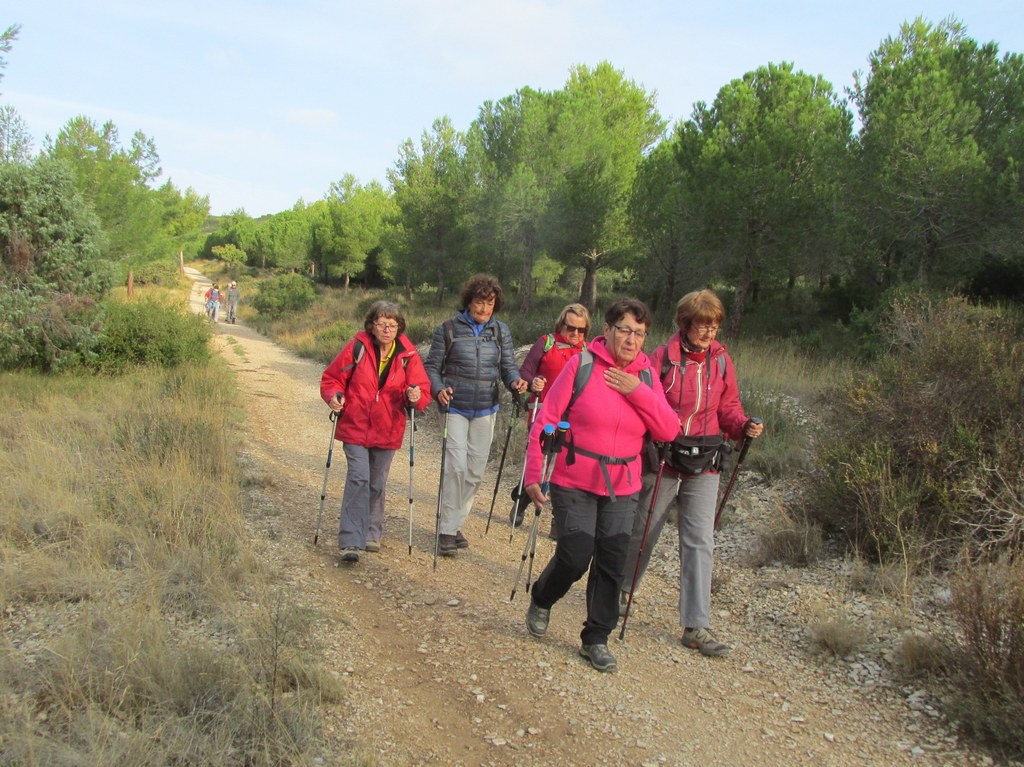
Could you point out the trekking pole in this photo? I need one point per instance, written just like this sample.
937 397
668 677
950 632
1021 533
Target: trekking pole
440 485
556 448
332 417
517 405
412 462
551 442
513 515
744 445
643 538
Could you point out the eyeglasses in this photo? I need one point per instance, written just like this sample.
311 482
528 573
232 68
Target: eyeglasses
705 329
387 327
628 332
570 329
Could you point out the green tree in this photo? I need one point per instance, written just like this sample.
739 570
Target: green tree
764 166
51 268
661 223
430 182
7 39
353 227
114 181
604 126
15 137
509 153
940 150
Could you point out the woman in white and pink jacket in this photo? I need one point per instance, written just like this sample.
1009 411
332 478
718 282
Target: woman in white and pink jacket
597 477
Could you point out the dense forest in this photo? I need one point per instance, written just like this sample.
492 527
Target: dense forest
782 193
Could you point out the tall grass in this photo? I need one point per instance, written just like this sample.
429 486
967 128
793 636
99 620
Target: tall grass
121 543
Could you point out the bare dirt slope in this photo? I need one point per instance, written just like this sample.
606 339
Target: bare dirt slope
440 669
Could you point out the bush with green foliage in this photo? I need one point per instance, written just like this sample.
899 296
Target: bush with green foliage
284 294
51 269
922 450
140 333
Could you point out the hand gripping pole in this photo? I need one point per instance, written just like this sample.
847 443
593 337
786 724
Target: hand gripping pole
551 441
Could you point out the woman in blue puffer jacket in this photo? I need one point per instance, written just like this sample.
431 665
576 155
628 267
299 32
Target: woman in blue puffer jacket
470 355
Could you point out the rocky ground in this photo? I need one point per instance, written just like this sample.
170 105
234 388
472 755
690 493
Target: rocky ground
440 670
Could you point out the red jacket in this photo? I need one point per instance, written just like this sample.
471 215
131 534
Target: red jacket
548 362
702 389
374 412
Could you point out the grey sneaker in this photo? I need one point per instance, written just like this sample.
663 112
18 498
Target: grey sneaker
537 619
373 547
350 554
599 657
706 642
446 545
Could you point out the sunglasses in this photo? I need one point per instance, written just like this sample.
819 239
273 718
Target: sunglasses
570 329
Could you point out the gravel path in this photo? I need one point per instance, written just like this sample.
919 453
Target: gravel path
439 667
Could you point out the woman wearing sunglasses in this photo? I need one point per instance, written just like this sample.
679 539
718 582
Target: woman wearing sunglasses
544 362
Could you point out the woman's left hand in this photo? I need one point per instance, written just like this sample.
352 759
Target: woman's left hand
520 386
413 394
621 381
753 429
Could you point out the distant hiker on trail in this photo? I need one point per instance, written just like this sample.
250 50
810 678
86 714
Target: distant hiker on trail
233 294
545 361
595 483
212 297
369 384
470 355
699 382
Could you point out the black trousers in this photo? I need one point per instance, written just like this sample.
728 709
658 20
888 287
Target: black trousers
593 539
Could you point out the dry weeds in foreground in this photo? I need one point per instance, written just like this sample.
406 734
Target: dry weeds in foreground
121 547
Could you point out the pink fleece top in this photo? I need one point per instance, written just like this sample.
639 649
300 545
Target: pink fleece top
602 421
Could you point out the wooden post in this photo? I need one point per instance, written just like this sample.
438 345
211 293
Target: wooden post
131 283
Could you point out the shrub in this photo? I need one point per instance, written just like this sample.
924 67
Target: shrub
149 333
328 342
838 636
285 294
923 449
789 538
988 602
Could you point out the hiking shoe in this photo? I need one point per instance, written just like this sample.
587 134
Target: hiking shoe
460 540
350 554
373 547
446 545
537 619
702 639
623 601
516 517
599 656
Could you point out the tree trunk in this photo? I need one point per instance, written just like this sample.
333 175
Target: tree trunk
131 284
181 261
588 289
526 283
740 300
345 282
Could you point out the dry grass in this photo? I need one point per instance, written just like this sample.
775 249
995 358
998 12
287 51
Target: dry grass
788 538
121 545
837 635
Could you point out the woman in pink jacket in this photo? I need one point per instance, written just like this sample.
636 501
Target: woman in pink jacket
595 482
370 383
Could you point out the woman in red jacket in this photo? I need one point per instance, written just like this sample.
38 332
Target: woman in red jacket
543 363
370 384
699 382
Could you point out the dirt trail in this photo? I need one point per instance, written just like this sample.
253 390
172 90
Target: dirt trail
440 669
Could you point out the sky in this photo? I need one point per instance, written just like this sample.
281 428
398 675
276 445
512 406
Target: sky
259 104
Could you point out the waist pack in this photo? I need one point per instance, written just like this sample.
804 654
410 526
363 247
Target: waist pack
694 455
